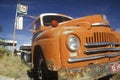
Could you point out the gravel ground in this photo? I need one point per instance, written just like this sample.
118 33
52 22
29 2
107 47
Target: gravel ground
25 77
21 78
5 78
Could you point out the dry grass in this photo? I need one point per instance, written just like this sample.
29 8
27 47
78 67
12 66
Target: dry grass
12 67
116 76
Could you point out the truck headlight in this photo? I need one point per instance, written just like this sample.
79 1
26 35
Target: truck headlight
73 43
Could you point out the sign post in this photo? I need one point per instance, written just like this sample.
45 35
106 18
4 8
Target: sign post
21 9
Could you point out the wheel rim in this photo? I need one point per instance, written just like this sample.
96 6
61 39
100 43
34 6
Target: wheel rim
40 71
40 74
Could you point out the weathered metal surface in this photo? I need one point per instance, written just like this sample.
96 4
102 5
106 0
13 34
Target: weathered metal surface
90 72
51 64
71 60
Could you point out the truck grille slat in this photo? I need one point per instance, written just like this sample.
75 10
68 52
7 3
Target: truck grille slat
101 42
71 60
102 50
91 45
101 37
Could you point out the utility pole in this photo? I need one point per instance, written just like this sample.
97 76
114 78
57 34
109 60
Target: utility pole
14 33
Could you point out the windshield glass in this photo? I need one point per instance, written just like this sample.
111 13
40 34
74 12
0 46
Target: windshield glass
48 19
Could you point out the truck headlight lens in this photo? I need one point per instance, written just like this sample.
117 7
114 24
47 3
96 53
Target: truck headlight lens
73 43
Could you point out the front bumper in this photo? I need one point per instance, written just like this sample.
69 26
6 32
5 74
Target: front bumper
90 72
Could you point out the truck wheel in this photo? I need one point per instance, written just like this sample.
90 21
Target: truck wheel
44 73
25 58
42 70
22 57
40 67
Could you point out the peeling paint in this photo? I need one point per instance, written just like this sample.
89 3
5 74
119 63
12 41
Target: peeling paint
90 72
51 64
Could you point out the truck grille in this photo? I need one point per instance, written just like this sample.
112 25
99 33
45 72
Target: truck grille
101 42
101 37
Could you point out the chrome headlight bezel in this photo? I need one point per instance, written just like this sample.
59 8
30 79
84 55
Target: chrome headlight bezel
73 43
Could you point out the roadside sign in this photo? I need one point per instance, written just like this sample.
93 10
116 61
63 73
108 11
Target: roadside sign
22 9
19 23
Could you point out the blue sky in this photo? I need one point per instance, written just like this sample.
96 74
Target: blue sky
73 8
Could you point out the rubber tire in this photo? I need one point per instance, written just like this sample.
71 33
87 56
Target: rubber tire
25 58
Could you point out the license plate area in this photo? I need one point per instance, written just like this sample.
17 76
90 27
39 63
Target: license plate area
115 67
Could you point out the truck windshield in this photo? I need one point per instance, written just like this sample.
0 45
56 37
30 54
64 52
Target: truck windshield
48 19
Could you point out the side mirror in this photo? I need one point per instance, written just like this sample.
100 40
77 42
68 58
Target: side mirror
54 23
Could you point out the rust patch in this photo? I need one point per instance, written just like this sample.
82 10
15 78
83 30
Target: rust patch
51 64
90 72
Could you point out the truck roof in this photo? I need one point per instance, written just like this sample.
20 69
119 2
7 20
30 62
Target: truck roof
44 14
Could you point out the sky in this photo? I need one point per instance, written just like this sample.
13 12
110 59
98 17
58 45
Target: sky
73 8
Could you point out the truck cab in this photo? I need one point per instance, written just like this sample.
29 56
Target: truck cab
44 20
74 49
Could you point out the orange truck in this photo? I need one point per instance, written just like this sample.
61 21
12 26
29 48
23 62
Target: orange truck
85 48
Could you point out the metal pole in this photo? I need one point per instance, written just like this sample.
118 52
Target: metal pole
14 34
